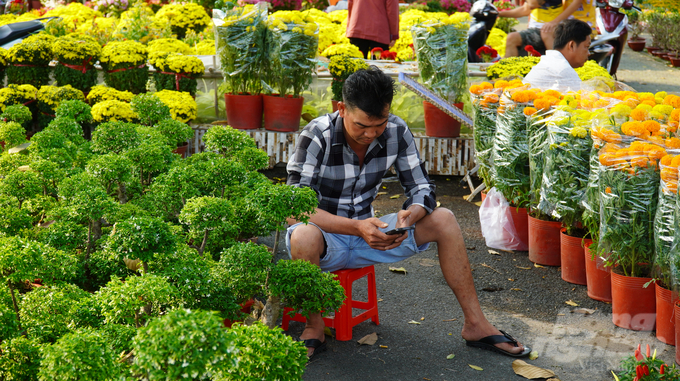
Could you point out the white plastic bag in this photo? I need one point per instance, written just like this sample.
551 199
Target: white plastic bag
498 227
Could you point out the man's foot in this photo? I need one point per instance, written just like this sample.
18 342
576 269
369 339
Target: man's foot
473 334
313 347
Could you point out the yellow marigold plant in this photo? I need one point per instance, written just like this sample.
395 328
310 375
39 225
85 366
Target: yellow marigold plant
182 105
176 71
183 17
112 111
124 64
102 93
76 55
17 94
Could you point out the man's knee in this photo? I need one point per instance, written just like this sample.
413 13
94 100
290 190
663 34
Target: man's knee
444 217
514 39
306 240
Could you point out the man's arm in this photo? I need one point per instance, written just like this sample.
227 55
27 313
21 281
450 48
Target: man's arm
549 27
524 10
393 19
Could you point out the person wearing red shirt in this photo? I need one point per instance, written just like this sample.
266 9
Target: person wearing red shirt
373 24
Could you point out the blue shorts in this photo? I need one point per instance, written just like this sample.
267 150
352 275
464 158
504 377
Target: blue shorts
352 252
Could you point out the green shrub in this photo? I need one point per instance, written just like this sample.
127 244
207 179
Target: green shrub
9 162
227 141
119 337
141 238
75 109
151 158
102 266
64 235
17 113
9 325
12 133
303 286
136 300
247 266
13 221
183 344
204 214
175 131
265 354
21 185
149 109
47 313
81 355
69 128
20 359
115 137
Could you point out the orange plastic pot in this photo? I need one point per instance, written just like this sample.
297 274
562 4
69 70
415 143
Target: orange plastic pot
484 198
439 124
520 219
244 112
282 114
544 242
676 310
598 278
573 260
665 322
633 306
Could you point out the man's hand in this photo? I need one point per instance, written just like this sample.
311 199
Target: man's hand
392 43
369 230
549 27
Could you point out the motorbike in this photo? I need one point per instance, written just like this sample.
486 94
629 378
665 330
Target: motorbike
12 34
606 49
484 14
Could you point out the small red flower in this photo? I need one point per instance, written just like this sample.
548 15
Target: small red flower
638 353
530 49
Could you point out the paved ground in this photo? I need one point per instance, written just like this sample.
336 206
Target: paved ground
530 303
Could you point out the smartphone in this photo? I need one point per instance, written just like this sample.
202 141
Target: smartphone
399 231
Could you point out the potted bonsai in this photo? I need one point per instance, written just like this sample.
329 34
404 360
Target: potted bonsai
176 133
294 40
20 358
84 355
141 238
12 134
241 46
183 342
635 27
115 137
204 214
114 172
149 109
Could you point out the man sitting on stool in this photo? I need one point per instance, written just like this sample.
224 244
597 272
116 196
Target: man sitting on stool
343 156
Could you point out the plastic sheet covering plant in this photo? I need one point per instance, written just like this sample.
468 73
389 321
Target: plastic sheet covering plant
293 42
538 141
511 147
485 105
628 187
240 38
441 49
567 166
664 221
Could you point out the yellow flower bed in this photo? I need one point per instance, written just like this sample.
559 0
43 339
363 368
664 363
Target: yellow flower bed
74 14
123 54
339 16
112 111
49 97
184 16
102 93
496 40
76 48
178 63
182 105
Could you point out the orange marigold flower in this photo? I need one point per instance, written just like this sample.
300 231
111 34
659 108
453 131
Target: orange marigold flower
619 95
672 143
656 153
601 103
486 85
652 126
542 104
611 147
500 84
651 103
672 127
669 174
608 190
666 160
476 89
528 111
491 98
640 161
672 186
668 100
639 114
553 93
675 114
656 139
586 103
611 136
675 102
646 96
631 102
675 162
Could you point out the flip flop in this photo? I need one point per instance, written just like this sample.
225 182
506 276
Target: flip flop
488 343
313 343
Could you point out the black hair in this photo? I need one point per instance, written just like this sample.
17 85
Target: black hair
571 30
369 90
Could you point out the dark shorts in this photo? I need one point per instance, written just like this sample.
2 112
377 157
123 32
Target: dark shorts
367 45
531 36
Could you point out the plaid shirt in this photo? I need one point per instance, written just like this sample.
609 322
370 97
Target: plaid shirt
325 162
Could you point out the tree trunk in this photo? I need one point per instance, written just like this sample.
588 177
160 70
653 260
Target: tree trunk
271 312
277 236
205 239
16 306
89 240
122 195
94 233
146 267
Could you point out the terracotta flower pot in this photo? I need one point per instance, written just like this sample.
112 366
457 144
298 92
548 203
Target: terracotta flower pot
182 150
675 61
637 45
572 258
520 219
650 49
244 111
598 278
439 124
633 306
665 322
282 114
544 242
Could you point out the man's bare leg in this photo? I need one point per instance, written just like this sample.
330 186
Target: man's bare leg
512 44
307 243
441 227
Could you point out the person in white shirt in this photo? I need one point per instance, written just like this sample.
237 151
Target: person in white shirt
556 68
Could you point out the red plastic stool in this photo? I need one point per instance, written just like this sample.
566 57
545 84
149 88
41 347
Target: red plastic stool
343 320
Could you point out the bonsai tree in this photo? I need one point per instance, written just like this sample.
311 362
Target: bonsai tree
218 176
9 325
183 344
86 202
112 170
149 109
171 190
50 312
68 127
203 214
20 359
17 268
141 238
18 114
265 354
136 300
21 185
12 133
80 355
115 137
175 131
227 141
247 267
151 158
50 175
52 145
13 221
